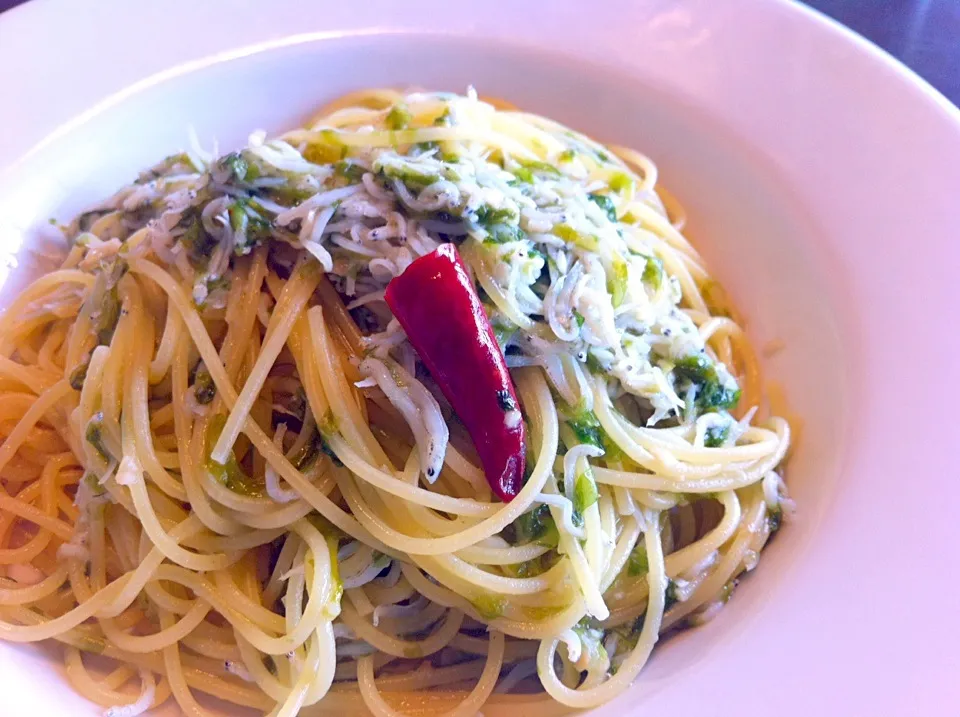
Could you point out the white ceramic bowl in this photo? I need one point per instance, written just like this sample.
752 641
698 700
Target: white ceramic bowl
820 178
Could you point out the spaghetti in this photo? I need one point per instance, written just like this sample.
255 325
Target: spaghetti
226 472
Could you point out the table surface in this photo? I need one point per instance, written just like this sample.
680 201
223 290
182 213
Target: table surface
923 34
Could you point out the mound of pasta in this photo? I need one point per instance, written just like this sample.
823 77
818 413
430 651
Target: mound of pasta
427 407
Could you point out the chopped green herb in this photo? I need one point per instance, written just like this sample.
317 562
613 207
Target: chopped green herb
503 334
253 169
500 224
93 483
594 364
588 242
528 169
637 563
238 216
523 175
586 427
94 436
349 170
579 318
670 596
567 155
250 229
399 117
774 519
328 425
534 526
606 204
487 215
577 518
79 374
715 436
566 232
584 491
289 195
381 560
332 607
536 166
712 392
324 147
534 567
591 637
489 606
108 316
211 283
621 182
653 272
165 167
199 243
505 233
229 474
629 633
538 612
204 390
415 178
445 119
234 166
617 281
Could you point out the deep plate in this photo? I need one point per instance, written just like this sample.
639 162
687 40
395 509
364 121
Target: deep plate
820 180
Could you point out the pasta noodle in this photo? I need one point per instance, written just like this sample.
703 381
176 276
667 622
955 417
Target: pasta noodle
226 472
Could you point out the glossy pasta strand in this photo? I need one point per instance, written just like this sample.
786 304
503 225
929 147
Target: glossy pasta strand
199 483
